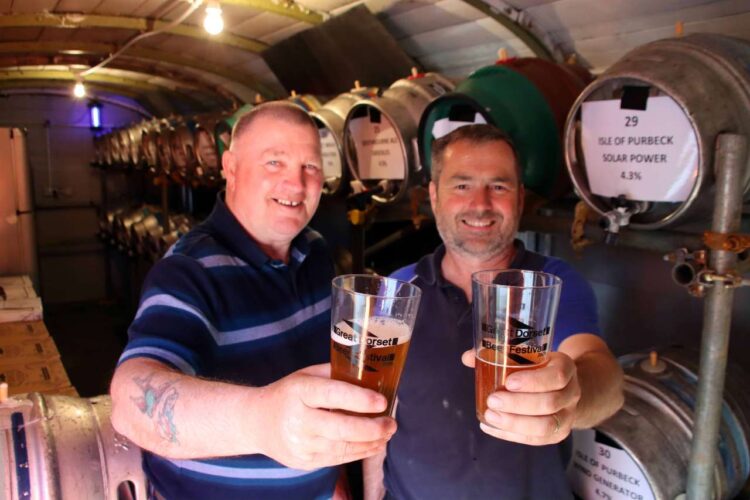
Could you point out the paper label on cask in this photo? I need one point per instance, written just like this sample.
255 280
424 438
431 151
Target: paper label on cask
331 156
379 152
445 126
648 155
600 471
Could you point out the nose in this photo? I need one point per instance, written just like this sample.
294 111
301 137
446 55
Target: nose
480 199
294 179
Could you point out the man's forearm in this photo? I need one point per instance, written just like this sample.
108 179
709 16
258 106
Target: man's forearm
180 416
599 376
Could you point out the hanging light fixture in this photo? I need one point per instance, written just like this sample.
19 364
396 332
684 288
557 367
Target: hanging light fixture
213 23
79 90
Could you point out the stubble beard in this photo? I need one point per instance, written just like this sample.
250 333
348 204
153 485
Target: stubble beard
494 244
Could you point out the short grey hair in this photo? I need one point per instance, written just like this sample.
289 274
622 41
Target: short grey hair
281 110
476 133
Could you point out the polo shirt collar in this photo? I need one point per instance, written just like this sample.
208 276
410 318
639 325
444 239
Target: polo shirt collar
236 238
429 267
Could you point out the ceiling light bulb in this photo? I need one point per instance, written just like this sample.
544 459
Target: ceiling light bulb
79 90
214 23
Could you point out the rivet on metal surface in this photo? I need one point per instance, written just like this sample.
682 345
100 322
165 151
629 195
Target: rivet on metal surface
653 364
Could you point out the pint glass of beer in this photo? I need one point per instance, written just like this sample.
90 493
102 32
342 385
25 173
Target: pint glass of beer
371 323
514 318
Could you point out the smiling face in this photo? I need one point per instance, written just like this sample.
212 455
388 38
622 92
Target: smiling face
274 180
478 198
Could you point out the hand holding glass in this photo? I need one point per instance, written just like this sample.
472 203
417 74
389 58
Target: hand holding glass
371 323
513 317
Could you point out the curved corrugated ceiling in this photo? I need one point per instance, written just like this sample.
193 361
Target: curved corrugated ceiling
42 41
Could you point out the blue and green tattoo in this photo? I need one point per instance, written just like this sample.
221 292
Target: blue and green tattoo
157 403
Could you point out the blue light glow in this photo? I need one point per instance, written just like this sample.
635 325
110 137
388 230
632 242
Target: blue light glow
96 115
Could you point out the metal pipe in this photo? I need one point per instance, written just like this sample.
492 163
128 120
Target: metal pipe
731 158
663 241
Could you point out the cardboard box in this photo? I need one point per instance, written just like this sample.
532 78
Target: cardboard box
24 329
16 281
21 310
17 349
15 292
39 376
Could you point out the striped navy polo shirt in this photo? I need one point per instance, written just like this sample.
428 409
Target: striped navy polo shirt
216 306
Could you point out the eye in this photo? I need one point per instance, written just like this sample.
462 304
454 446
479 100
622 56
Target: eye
499 187
311 167
461 187
273 163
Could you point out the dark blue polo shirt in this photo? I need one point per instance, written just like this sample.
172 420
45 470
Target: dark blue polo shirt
439 452
216 306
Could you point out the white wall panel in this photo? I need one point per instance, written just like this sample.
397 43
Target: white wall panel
284 33
261 25
429 18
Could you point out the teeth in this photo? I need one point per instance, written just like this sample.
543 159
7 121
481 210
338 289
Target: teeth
478 223
288 203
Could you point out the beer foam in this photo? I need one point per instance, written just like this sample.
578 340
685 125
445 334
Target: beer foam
380 329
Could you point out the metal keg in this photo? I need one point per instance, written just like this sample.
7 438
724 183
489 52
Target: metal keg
136 153
330 121
529 99
113 139
149 147
108 157
151 243
123 136
180 224
643 451
182 147
142 230
208 168
308 102
380 135
124 223
60 448
107 224
163 149
223 128
640 139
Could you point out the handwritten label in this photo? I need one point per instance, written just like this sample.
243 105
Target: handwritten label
649 155
379 149
598 470
330 154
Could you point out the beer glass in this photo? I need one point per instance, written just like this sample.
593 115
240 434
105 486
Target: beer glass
371 323
513 319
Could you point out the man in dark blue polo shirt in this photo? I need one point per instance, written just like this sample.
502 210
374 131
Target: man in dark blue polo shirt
441 451
220 382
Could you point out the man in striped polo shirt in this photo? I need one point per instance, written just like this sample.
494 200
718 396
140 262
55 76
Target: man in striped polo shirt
221 382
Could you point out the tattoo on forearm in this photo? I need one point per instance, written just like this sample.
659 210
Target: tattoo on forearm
158 403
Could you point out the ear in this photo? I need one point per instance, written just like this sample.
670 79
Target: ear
521 199
433 195
229 166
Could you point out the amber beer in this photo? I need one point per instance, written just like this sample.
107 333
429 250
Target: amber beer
513 316
492 369
370 354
